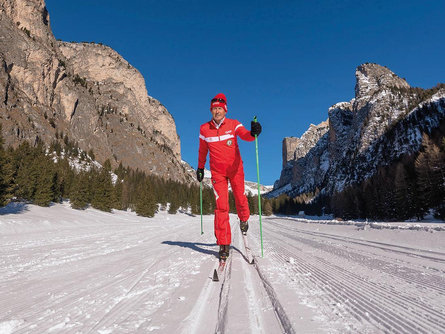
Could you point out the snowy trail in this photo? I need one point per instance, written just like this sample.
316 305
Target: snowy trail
376 283
68 271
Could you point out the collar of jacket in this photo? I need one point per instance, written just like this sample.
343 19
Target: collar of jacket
218 125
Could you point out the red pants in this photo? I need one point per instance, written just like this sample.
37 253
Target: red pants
220 188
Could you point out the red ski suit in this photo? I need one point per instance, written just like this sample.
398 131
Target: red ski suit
225 165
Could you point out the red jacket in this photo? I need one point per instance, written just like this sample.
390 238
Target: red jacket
222 143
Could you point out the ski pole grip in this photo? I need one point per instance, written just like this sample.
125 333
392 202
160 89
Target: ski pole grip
255 119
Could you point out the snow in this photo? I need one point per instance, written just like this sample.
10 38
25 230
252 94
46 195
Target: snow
69 271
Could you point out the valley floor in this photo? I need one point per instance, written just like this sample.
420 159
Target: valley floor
69 271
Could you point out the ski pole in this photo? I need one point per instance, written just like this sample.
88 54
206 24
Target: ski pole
200 203
259 193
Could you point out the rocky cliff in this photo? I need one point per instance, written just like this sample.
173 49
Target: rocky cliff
84 91
384 121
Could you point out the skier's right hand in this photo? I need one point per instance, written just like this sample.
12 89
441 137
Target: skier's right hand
200 174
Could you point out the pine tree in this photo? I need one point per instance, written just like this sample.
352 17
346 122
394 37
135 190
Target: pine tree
6 174
103 189
173 207
45 183
26 174
80 191
430 169
267 211
64 178
402 195
194 200
232 205
208 203
145 205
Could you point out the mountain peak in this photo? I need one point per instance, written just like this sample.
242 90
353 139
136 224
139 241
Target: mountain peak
372 77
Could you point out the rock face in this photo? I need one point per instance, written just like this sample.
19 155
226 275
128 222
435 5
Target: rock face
296 148
384 121
86 91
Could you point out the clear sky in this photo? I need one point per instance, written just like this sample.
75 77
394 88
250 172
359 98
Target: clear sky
285 61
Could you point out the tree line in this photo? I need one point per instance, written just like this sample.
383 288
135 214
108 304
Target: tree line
42 175
411 187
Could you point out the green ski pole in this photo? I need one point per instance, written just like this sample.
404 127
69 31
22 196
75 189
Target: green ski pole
259 193
200 203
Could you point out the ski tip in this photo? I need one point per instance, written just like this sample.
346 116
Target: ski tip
215 276
252 262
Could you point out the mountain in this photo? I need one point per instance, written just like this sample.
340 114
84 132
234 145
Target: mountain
382 123
85 92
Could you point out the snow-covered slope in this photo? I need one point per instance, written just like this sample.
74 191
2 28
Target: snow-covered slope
69 271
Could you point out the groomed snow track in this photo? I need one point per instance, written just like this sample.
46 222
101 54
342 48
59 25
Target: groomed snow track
260 305
407 295
68 271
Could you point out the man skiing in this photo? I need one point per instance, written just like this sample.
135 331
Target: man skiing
219 136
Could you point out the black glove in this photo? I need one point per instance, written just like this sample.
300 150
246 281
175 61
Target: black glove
200 174
255 128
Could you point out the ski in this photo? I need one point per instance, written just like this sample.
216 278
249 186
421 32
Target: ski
249 254
217 273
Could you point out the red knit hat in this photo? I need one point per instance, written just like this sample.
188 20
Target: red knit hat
219 101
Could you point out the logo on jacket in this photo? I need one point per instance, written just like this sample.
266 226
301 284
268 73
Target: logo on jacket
229 142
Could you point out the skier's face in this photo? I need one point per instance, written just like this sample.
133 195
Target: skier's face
218 114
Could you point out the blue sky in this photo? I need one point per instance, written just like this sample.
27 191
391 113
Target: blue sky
285 61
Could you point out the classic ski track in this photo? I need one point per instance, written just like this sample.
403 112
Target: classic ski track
223 303
356 304
368 243
71 299
224 295
384 265
280 314
358 300
192 321
439 287
279 311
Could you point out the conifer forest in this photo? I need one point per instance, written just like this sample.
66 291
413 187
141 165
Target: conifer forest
409 188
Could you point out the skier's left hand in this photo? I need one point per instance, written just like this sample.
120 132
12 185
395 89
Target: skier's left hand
255 128
200 174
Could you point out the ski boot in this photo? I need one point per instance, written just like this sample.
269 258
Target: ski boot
244 226
223 252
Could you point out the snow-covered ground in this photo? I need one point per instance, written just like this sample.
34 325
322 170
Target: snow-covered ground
68 271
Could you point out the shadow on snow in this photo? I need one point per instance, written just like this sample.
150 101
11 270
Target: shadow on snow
200 247
13 208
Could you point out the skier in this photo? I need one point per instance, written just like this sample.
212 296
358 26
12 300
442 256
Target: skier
219 136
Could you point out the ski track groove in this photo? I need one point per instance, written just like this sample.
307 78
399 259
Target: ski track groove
359 303
385 315
223 303
369 243
121 295
383 264
279 311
